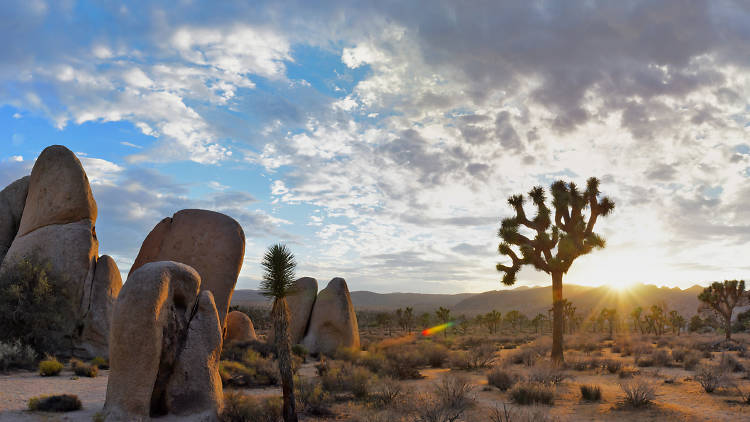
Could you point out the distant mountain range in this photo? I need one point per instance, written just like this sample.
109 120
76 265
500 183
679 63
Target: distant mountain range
527 300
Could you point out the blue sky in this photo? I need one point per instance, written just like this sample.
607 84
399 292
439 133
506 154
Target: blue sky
381 139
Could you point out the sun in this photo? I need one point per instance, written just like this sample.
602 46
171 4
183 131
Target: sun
621 286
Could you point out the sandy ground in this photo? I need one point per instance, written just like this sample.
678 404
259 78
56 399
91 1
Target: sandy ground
17 388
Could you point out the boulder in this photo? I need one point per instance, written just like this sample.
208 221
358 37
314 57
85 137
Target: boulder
96 321
59 191
12 202
239 327
194 389
300 303
210 242
149 326
333 323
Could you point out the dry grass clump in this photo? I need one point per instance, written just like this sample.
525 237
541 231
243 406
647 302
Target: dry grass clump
403 362
436 354
525 355
57 403
661 357
479 356
100 362
84 370
241 408
451 398
691 360
627 372
623 345
730 363
640 349
501 378
638 392
711 377
50 367
386 391
509 414
591 392
547 374
612 366
253 370
678 354
527 392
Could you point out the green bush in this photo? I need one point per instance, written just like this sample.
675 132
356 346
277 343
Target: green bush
526 393
13 354
301 351
35 307
50 367
58 403
83 370
241 408
100 362
591 392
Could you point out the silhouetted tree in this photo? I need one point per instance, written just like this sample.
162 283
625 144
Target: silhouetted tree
609 315
278 281
676 321
443 315
655 320
635 315
425 320
722 299
569 312
696 323
513 318
383 319
554 244
492 320
538 322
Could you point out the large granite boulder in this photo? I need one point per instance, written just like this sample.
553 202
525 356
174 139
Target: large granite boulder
210 242
12 201
333 323
300 302
165 342
105 288
239 327
56 227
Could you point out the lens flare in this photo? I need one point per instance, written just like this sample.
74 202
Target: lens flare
438 328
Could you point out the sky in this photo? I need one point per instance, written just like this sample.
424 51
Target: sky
380 139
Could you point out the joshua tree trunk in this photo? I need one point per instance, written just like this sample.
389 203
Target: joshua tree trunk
284 351
557 328
728 325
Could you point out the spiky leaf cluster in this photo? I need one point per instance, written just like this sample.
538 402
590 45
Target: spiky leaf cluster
278 272
723 297
558 240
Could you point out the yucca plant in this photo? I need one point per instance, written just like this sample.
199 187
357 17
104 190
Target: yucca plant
278 280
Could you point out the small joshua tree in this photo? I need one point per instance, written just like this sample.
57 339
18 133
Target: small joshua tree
278 281
555 241
722 299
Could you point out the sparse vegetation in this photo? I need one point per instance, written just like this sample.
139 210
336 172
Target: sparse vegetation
242 408
56 403
50 367
82 369
14 354
501 378
638 392
711 377
591 392
532 393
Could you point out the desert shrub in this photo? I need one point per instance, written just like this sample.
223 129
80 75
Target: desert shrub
730 363
638 392
547 375
577 364
435 353
450 399
311 397
347 377
627 372
584 345
375 361
612 366
591 392
237 351
479 356
100 362
14 354
240 408
56 403
623 345
532 393
661 357
641 349
348 354
50 367
525 355
82 369
710 377
386 391
691 360
403 362
243 375
501 378
509 414
301 351
645 361
35 307
678 355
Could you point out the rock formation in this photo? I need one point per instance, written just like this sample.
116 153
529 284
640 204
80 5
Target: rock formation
94 339
165 342
210 242
239 327
333 323
300 307
56 227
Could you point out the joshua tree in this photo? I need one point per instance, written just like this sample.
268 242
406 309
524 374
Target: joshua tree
635 315
609 315
443 315
538 322
493 320
425 320
676 321
278 280
383 319
555 242
512 318
722 298
569 312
